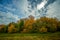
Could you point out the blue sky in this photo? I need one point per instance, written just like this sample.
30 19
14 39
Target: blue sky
13 10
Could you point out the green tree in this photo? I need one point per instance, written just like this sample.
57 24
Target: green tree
20 25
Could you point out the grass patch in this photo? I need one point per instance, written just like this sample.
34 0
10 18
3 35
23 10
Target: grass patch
30 36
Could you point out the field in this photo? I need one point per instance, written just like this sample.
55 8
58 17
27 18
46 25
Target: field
30 36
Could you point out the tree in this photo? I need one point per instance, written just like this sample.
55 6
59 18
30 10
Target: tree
20 25
12 28
58 26
28 23
49 24
2 27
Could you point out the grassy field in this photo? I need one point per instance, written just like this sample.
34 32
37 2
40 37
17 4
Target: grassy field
30 36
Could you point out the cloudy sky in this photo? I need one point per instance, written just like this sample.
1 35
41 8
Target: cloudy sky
13 10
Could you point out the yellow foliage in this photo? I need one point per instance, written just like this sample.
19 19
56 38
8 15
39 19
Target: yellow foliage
43 29
28 23
11 28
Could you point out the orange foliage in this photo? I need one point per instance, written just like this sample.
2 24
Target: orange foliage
11 28
29 22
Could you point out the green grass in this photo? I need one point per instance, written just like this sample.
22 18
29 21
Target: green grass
30 36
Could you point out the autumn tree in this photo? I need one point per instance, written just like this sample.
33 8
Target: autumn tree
47 24
12 28
2 28
28 23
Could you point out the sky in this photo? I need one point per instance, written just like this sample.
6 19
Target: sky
14 10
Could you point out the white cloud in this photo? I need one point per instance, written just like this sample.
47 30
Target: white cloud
41 5
8 17
54 10
35 12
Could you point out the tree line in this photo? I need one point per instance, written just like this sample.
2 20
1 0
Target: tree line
30 25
